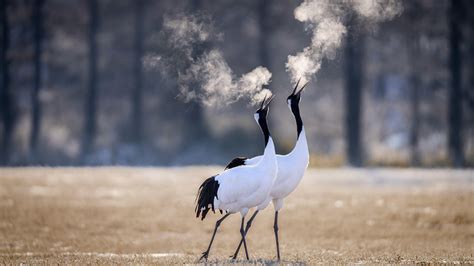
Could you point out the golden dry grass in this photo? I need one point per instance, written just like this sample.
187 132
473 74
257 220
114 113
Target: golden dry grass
145 215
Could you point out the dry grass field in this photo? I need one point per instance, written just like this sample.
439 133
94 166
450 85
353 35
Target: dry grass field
145 215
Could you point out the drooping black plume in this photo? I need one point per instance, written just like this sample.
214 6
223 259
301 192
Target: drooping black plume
205 197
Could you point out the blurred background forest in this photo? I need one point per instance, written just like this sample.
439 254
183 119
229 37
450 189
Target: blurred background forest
74 89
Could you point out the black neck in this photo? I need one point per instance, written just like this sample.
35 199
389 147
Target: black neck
263 125
295 109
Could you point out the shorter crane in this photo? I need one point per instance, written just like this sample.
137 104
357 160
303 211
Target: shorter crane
240 187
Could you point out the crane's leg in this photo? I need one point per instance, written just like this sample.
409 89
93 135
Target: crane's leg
242 232
205 254
275 228
249 223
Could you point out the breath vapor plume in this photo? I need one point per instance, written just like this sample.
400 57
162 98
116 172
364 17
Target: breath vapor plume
325 20
202 73
217 85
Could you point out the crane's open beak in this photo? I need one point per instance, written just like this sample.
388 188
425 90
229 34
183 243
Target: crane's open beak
302 88
269 101
263 102
297 91
296 87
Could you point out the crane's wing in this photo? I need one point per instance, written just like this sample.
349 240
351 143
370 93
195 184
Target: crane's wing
253 160
237 183
237 161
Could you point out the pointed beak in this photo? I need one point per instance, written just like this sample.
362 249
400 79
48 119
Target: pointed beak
296 87
302 88
263 102
269 101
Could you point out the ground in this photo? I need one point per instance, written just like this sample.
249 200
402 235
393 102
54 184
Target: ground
146 215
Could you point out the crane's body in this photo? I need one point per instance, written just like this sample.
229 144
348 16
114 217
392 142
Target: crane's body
291 168
240 187
247 186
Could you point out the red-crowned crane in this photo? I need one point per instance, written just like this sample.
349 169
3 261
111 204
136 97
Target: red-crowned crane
240 187
291 168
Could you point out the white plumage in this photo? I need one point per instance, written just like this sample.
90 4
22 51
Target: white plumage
240 187
247 186
291 168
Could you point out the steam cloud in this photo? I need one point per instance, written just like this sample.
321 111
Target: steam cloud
217 83
203 74
324 19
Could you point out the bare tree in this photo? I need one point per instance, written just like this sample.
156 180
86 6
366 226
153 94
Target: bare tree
37 21
136 95
415 123
353 95
90 114
194 111
455 115
469 91
264 32
413 45
5 93
470 22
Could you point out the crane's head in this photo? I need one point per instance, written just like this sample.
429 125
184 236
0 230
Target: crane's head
294 99
262 112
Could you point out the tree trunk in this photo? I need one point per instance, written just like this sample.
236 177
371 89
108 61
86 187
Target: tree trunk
455 118
5 93
469 92
197 131
37 21
414 130
136 123
196 5
264 32
470 21
90 113
353 97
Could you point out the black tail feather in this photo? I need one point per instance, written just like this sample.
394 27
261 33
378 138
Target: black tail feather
205 197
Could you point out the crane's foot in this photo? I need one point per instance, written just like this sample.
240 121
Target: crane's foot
204 256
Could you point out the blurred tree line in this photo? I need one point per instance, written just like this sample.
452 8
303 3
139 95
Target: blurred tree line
74 89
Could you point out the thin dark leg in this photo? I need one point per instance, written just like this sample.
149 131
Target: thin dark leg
242 232
249 223
275 228
218 223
